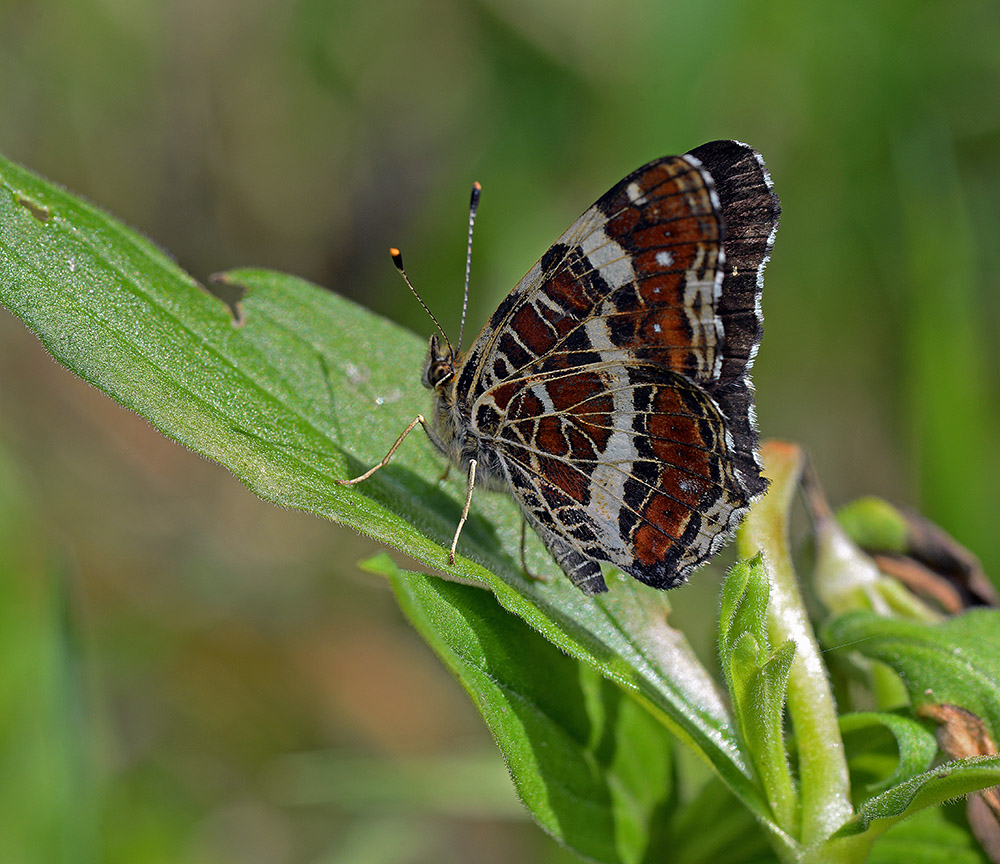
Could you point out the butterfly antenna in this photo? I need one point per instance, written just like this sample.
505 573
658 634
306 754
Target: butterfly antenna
397 259
473 207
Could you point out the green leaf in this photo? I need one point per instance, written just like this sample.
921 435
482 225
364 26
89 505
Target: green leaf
937 835
757 679
956 661
884 749
951 780
306 388
592 765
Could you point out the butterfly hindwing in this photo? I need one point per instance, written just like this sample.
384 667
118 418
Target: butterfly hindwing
624 461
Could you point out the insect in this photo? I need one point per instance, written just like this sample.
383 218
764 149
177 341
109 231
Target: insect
610 391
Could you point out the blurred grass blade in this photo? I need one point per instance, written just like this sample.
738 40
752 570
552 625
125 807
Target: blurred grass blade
49 802
306 387
953 406
454 785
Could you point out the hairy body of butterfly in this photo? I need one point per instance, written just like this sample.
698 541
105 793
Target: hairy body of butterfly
610 392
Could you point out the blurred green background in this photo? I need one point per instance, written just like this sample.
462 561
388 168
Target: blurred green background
190 675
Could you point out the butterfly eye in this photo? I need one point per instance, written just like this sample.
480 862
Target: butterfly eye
438 371
439 366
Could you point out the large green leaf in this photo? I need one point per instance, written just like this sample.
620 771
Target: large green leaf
955 662
592 765
305 389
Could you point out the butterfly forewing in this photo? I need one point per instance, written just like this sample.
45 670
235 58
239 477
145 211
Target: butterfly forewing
636 276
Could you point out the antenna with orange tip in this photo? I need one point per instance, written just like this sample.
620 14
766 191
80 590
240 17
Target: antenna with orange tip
397 259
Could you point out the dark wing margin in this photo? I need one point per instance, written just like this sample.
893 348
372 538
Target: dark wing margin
750 212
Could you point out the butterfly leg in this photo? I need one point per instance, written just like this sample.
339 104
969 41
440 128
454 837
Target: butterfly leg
419 419
465 510
534 577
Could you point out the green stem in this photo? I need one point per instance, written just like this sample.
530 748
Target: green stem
823 777
843 850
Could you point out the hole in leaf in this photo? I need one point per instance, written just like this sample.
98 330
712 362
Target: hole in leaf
230 293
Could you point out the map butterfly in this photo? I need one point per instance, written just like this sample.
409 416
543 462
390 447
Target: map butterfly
610 392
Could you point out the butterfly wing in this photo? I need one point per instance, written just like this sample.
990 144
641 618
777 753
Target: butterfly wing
627 463
645 312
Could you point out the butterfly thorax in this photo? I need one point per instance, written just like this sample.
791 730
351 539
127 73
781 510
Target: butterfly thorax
457 436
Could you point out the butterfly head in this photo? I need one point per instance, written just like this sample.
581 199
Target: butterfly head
440 366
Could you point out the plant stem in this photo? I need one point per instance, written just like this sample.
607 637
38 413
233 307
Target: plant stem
823 777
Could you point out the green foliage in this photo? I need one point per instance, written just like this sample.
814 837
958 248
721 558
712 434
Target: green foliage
587 697
954 662
884 750
589 761
757 677
959 777
283 401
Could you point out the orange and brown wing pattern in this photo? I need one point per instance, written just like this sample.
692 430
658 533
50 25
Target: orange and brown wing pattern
610 389
639 271
623 463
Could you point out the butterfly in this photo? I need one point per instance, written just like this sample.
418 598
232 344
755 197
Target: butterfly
610 392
